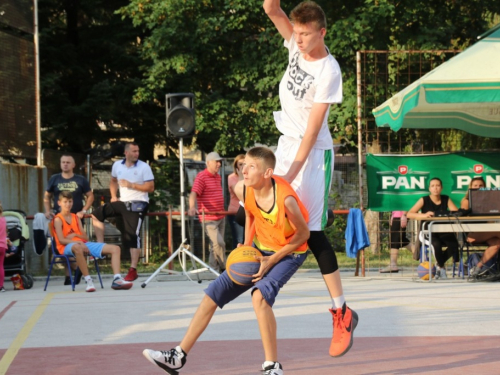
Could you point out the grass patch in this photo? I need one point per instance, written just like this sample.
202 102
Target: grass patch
405 259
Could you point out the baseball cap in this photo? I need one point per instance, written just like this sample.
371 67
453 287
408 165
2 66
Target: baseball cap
213 156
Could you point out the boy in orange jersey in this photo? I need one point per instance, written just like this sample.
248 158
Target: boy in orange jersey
73 241
276 223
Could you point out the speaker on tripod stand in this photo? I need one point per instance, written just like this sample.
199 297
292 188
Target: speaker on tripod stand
181 124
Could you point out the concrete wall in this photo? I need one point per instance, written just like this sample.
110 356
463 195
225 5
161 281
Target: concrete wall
21 188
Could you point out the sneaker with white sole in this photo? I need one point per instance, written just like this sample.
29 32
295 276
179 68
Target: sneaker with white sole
120 283
274 369
90 286
440 273
170 361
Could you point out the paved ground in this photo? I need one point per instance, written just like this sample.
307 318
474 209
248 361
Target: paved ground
406 327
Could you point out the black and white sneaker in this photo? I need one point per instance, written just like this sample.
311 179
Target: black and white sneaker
170 361
274 369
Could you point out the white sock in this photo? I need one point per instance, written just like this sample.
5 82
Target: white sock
117 276
88 278
268 363
338 302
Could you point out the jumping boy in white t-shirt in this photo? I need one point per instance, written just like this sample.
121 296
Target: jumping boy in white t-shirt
312 82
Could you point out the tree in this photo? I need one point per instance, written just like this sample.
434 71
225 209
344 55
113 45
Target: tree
89 72
228 53
112 62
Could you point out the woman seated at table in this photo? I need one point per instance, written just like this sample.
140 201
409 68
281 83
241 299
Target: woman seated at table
490 238
428 205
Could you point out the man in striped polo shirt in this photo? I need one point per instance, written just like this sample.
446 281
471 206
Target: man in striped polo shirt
207 190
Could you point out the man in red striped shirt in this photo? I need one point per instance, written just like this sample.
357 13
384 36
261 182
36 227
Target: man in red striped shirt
207 190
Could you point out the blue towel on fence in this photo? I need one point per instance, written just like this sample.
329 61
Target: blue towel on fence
356 236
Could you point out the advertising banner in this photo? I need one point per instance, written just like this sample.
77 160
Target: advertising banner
396 182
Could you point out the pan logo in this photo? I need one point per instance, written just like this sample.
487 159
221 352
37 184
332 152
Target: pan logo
402 181
462 179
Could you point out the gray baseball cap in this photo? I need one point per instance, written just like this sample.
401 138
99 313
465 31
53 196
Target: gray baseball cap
213 156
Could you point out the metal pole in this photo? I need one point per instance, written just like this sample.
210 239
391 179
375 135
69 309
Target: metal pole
37 86
183 209
360 138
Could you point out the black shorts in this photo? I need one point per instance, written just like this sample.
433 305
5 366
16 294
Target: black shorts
132 221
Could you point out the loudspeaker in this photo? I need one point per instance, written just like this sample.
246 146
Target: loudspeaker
180 114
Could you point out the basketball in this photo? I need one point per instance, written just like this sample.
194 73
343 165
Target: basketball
423 271
242 264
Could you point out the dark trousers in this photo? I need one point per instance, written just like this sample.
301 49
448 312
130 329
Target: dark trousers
448 240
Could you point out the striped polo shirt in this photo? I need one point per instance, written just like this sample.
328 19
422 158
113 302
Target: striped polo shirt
208 189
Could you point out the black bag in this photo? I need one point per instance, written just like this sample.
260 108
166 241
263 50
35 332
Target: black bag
137 206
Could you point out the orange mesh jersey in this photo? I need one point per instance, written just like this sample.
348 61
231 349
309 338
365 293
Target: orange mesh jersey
67 229
272 229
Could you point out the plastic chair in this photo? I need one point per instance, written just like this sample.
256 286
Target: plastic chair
66 259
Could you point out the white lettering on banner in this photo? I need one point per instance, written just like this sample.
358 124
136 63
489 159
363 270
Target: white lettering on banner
413 183
493 182
402 182
463 182
388 181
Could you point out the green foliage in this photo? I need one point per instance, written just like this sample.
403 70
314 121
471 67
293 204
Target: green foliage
229 54
336 232
166 195
113 62
89 72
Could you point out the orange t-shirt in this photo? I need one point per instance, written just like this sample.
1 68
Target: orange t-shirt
67 229
273 234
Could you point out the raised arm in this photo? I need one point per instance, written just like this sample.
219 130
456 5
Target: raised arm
278 18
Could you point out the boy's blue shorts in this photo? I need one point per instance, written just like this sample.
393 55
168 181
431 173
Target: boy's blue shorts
95 248
223 290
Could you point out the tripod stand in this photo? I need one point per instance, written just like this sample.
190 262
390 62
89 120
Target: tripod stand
183 249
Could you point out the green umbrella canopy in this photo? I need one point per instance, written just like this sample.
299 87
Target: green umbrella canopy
462 93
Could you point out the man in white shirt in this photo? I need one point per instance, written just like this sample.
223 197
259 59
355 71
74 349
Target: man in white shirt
134 180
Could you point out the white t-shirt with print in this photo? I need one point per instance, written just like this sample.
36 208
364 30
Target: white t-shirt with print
304 83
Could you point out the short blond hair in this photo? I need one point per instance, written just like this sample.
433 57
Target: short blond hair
264 154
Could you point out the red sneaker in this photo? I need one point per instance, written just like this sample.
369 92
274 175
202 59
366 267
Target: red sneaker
131 275
343 331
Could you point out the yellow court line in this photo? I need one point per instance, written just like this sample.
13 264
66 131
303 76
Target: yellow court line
13 349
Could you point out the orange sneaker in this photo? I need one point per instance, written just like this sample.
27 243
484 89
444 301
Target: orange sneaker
343 331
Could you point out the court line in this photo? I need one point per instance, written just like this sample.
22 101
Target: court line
4 311
18 342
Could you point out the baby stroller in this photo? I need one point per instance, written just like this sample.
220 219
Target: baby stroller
18 232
